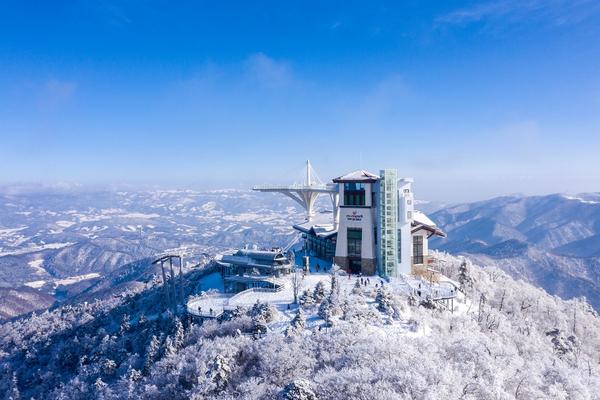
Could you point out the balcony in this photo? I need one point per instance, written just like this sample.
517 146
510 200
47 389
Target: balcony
425 267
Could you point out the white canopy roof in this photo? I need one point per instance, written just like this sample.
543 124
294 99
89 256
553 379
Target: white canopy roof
359 175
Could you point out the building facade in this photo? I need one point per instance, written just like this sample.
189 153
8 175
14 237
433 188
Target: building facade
379 230
356 237
374 229
250 268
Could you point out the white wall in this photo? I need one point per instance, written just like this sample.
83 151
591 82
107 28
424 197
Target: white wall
359 217
405 205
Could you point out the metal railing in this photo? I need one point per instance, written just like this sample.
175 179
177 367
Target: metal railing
295 186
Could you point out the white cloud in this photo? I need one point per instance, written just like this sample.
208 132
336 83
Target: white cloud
556 12
269 72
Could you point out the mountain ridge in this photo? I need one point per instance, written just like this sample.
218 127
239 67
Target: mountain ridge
552 241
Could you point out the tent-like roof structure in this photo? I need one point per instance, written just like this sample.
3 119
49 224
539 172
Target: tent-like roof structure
322 226
323 231
359 175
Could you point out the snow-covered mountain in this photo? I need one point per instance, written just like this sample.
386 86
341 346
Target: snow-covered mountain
60 242
504 339
551 241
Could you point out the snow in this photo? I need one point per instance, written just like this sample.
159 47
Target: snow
209 206
65 281
36 248
218 302
35 284
358 175
77 278
421 218
579 199
139 215
11 231
37 265
65 224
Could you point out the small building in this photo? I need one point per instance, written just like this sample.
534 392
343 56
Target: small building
319 237
251 268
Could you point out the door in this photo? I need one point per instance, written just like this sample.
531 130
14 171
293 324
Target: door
354 236
355 266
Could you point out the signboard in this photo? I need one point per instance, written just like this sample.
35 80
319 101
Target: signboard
354 216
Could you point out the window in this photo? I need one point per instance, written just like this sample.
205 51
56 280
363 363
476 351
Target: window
354 242
418 250
354 194
399 246
409 215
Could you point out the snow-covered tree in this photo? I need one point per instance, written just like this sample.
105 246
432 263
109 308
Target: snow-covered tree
319 292
357 288
296 284
179 335
219 372
299 320
125 324
13 393
298 390
464 277
263 312
307 299
152 352
386 303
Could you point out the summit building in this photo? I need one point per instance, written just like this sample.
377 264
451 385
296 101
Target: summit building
373 228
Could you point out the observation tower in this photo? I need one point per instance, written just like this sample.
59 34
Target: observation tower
306 193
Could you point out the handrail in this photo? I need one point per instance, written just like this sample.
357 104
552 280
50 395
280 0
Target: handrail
295 186
279 288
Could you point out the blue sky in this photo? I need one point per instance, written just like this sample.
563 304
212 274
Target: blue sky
472 99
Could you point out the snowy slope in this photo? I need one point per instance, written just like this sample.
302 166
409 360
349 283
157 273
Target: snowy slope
552 241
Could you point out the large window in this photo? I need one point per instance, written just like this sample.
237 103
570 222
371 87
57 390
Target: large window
417 249
354 242
354 194
399 246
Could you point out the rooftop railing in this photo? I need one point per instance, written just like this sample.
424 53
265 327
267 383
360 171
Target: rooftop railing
314 186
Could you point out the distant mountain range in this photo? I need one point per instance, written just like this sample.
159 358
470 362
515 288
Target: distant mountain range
551 241
56 244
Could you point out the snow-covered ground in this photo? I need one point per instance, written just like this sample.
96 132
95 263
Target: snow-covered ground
213 303
66 281
32 248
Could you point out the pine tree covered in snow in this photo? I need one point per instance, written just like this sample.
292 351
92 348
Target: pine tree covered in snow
464 278
319 292
386 302
14 393
357 289
519 343
307 299
219 372
299 320
152 352
298 390
263 313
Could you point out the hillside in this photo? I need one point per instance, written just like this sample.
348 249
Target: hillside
60 242
22 300
551 241
505 339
